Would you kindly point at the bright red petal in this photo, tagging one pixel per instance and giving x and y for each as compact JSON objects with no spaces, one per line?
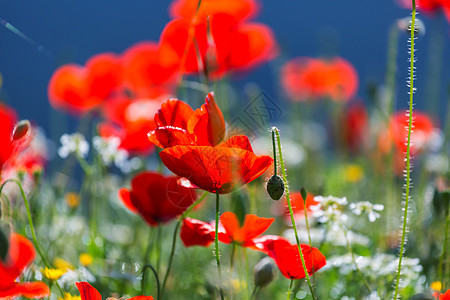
{"x":240,"y":9}
{"x":174,"y":113}
{"x":20,"y":255}
{"x":207,"y":123}
{"x":124,"y":195}
{"x":103,"y":75}
{"x":141,"y":298}
{"x":215,"y":169}
{"x":238,"y":141}
{"x":87,"y":291}
{"x":196,"y":233}
{"x":169,"y":136}
{"x":231,"y":226}
{"x":253,"y":227}
{"x":28,"y":290}
{"x":252,"y":44}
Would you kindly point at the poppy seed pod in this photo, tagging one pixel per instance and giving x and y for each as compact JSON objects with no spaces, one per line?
{"x":263,"y":272}
{"x":275,"y":187}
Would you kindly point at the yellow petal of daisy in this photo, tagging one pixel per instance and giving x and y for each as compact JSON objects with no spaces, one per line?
{"x":68,"y":296}
{"x":86,"y":259}
{"x":52,"y":274}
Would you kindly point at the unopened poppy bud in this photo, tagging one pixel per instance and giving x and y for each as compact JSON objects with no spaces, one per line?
{"x":263,"y":272}
{"x":275,"y":187}
{"x":21,"y":129}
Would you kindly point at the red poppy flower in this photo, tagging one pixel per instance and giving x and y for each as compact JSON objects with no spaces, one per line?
{"x":197,"y":233}
{"x":158,"y":199}
{"x":355,"y":127}
{"x":150,"y":71}
{"x":217,"y":169}
{"x":14,"y":137}
{"x":79,"y":89}
{"x":253,"y":227}
{"x":397,"y":133}
{"x":429,"y":6}
{"x":222,"y":43}
{"x":287,"y":256}
{"x":178,"y":124}
{"x":88,"y":292}
{"x":440,"y":296}
{"x":240,"y":9}
{"x":21,"y":254}
{"x":130,"y":120}
{"x":310,"y":79}
{"x":297,"y":204}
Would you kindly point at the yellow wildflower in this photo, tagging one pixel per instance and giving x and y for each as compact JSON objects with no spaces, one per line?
{"x":68,"y":296}
{"x":353,"y":173}
{"x":72,"y":200}
{"x":52,"y":274}
{"x":63,"y":265}
{"x":86,"y":259}
{"x":436,"y":286}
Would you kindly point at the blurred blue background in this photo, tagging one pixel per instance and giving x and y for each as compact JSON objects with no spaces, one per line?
{"x":73,"y":31}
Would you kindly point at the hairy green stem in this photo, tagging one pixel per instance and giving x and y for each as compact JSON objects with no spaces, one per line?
{"x":216,"y":242}
{"x":408,"y":148}
{"x":174,"y":238}
{"x":291,"y":212}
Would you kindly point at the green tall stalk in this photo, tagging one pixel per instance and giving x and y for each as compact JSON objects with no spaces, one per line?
{"x":408,"y":148}
{"x":30,"y":222}
{"x":291,"y":212}
{"x":216,"y":242}
{"x":441,"y":272}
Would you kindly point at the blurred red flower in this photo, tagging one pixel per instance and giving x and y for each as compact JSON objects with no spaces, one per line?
{"x":187,"y":9}
{"x":429,"y":6}
{"x":216,"y":169}
{"x":130,"y":120}
{"x":158,"y":199}
{"x":219,"y":45}
{"x":397,"y":133}
{"x":444,"y":296}
{"x":305,"y":78}
{"x":21,"y":254}
{"x":88,"y":292}
{"x":14,"y":137}
{"x":178,"y":124}
{"x":287,"y":256}
{"x":149,"y":71}
{"x":355,"y":127}
{"x":79,"y":89}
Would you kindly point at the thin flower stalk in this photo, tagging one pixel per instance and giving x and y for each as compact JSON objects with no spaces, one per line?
{"x":408,"y":148}
{"x":291,"y":212}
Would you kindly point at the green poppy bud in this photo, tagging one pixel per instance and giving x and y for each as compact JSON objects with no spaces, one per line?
{"x":275,"y":187}
{"x":263,"y":272}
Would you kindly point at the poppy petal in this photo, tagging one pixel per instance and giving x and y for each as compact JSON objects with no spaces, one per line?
{"x":238,"y":141}
{"x":141,"y":298}
{"x":207,"y":123}
{"x":232,"y":228}
{"x":28,"y":290}
{"x":254,"y":226}
{"x":169,"y":136}
{"x":196,"y":233}
{"x":215,"y":169}
{"x":87,"y":291}
{"x":20,"y":254}
{"x":174,"y":113}
{"x":124,"y":195}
